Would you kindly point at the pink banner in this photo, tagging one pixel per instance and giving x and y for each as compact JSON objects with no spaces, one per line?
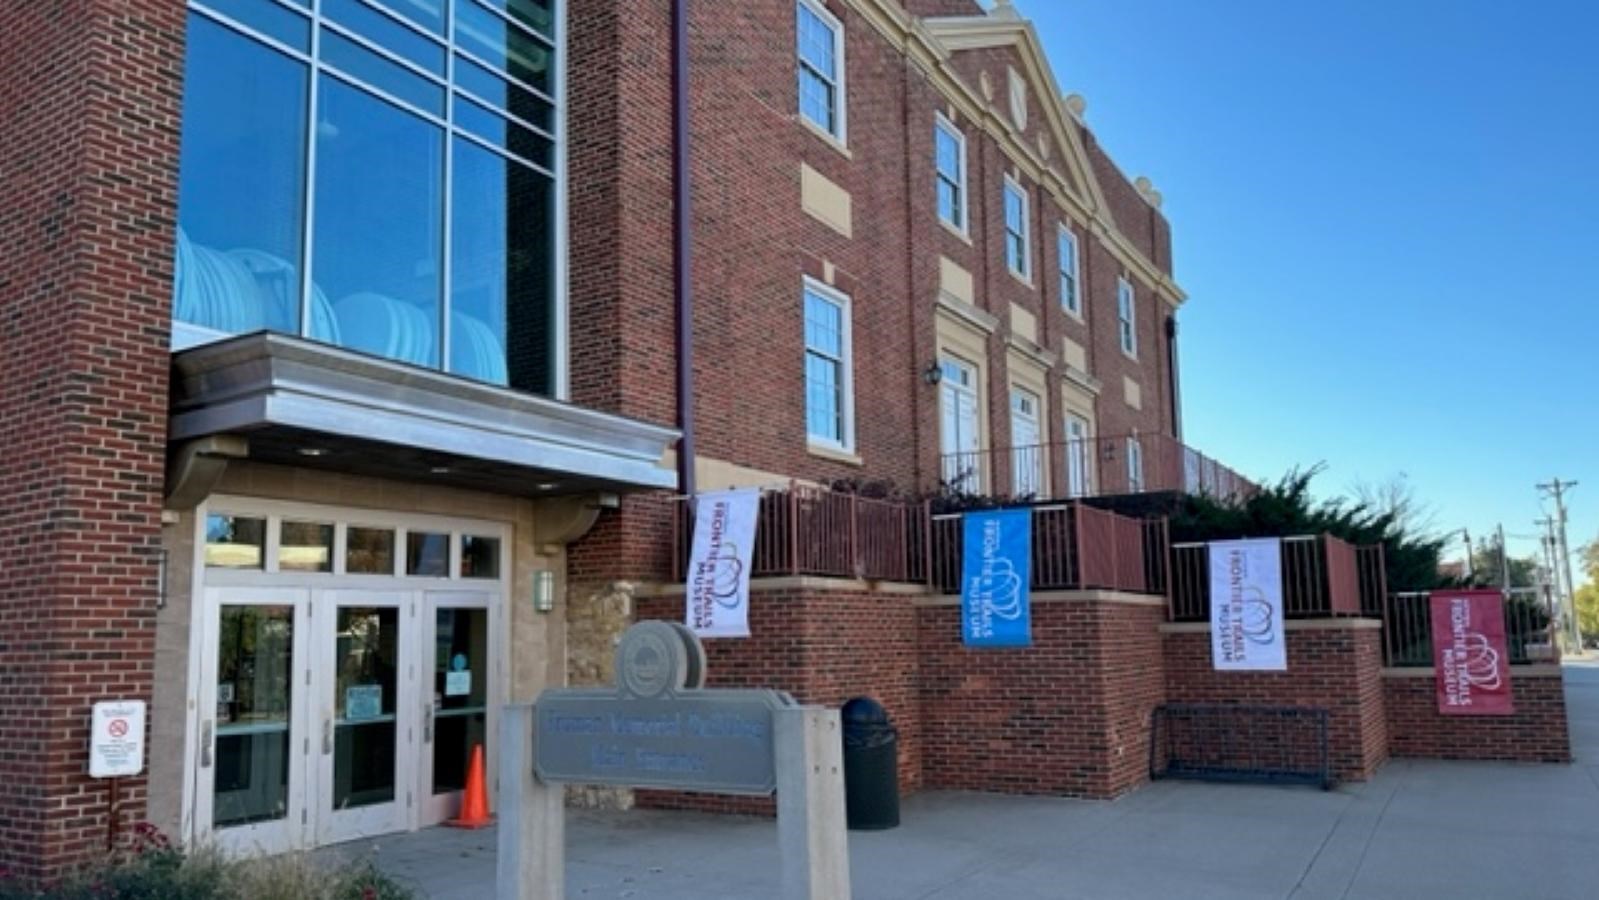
{"x":1469,"y":653}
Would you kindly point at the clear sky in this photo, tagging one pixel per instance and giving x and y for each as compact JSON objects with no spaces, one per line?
{"x":1386,"y":214}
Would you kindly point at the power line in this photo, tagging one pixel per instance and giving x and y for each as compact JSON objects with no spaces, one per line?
{"x":1556,"y":489}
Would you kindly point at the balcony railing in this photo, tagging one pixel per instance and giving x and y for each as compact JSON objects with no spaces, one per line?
{"x":1322,"y":576}
{"x":812,"y":531}
{"x":1092,"y":467}
{"x":1407,"y":628}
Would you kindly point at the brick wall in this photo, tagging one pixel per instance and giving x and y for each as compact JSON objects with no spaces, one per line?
{"x":1536,"y":732}
{"x":825,"y":645}
{"x":1335,"y":665}
{"x":1068,"y":715}
{"x":89,"y":102}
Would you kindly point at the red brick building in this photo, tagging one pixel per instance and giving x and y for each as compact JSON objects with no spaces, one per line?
{"x":341,"y":381}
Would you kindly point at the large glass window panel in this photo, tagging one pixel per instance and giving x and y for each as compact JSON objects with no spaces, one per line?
{"x":460,"y":693}
{"x":379,"y":224}
{"x":501,"y":44}
{"x":269,"y":18}
{"x":384,"y":74}
{"x":501,"y":93}
{"x":241,"y":184}
{"x":535,"y":14}
{"x":384,"y":31}
{"x":235,"y":542}
{"x":255,"y":684}
{"x":502,"y":269}
{"x":502,"y":132}
{"x":427,"y":13}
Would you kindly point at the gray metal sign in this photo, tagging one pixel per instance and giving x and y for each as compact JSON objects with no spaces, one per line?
{"x":659,"y":728}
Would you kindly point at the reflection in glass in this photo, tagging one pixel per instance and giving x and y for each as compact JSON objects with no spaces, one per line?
{"x":369,"y":551}
{"x":253,"y":694}
{"x":427,"y":554}
{"x":241,"y":185}
{"x":367,"y":659}
{"x":460,"y":693}
{"x":234,"y":542}
{"x":500,"y":44}
{"x":480,"y":557}
{"x":379,"y":224}
{"x":386,"y":75}
{"x":306,"y":547}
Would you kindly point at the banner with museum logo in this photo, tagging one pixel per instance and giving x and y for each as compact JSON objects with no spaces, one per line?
{"x":996,"y":570}
{"x":1246,"y":606}
{"x":1471,"y":658}
{"x":718,"y":582}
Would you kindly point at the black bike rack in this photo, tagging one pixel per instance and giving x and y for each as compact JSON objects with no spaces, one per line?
{"x":1235,"y":742}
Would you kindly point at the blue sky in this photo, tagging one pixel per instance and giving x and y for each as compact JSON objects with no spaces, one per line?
{"x":1385,"y":216}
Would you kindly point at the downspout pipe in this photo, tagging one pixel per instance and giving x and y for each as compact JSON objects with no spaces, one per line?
{"x":1176,"y":384}
{"x":682,"y":248}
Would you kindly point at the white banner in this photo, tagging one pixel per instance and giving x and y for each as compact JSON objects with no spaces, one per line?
{"x":719,"y":563}
{"x":1246,"y":606}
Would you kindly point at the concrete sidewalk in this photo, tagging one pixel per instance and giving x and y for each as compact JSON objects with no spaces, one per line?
{"x":1418,"y":830}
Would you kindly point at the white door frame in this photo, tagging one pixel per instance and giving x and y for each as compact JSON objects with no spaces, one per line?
{"x":315,"y":597}
{"x":434,"y":808}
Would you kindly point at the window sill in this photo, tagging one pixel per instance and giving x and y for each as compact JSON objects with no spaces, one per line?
{"x":830,"y":139}
{"x":836,"y":454}
{"x":965,"y":237}
{"x":1075,"y":316}
{"x":1024,"y":279}
{"x":1131,"y":356}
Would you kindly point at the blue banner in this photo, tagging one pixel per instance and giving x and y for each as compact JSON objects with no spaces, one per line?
{"x":996,"y":569}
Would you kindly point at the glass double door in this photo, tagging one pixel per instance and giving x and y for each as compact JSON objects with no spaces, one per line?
{"x":331,"y":715}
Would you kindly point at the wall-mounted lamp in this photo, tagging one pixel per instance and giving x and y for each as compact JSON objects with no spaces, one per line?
{"x":933,"y":374}
{"x":543,"y":590}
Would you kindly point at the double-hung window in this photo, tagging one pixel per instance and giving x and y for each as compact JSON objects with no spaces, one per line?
{"x":1135,"y":466}
{"x":1071,"y":298}
{"x":829,"y":403}
{"x":949,"y":158}
{"x":1127,"y":317}
{"x":1017,"y":255}
{"x":821,"y":67}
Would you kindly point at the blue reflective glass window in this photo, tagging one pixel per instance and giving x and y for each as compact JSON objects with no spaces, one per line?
{"x":502,"y":45}
{"x":824,"y":365}
{"x":501,"y":270}
{"x":379,"y":224}
{"x":427,"y":13}
{"x":384,"y":31}
{"x":501,"y":132}
{"x":269,"y":18}
{"x":500,"y":93}
{"x":535,"y":14}
{"x":386,"y":75}
{"x":241,"y":183}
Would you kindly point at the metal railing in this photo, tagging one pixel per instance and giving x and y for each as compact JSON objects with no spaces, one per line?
{"x":805,"y":530}
{"x":1092,"y":467}
{"x":1407,"y":628}
{"x":1321,"y":574}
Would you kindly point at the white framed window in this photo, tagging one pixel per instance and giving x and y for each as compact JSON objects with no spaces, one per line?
{"x":1018,"y":99}
{"x":1027,"y":454}
{"x":960,"y":432}
{"x":949,"y":159}
{"x":1071,"y":295}
{"x":1127,"y":316}
{"x":1018,"y":254}
{"x":820,"y":51}
{"x":1079,"y":457}
{"x":829,"y":382}
{"x":1135,"y":466}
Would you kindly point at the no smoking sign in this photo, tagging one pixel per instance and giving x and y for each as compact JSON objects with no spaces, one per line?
{"x":116,"y":739}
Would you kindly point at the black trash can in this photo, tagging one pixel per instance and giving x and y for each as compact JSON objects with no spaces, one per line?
{"x":871,"y":766}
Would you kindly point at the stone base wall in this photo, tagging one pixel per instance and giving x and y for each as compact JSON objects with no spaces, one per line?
{"x":1333,"y":664}
{"x":1536,"y":732}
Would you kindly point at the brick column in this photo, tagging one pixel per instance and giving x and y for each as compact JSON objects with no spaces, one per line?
{"x":90,"y":95}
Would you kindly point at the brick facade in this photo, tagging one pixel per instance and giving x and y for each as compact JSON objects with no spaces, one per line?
{"x":1332,"y":664}
{"x":1536,"y":732}
{"x":89,"y":101}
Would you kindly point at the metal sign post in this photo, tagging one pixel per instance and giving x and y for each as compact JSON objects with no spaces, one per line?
{"x":661,"y":728}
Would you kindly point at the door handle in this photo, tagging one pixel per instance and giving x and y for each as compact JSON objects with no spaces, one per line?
{"x":327,"y":736}
{"x":427,"y":723}
{"x":207,"y":730}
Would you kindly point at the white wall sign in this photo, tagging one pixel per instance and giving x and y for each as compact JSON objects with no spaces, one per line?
{"x":116,"y":739}
{"x":719,"y":563}
{"x":1246,"y":606}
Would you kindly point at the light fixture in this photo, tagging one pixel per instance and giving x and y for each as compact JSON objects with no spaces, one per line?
{"x":543,"y":590}
{"x":313,"y":452}
{"x":933,"y":374}
{"x":439,"y":470}
{"x":547,"y":485}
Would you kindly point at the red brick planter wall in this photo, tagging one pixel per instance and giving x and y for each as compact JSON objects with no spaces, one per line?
{"x":1337,"y":668}
{"x":1535,"y":733}
{"x":1068,"y":715}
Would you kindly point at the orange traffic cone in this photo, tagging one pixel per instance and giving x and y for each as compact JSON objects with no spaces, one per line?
{"x":475,"y":801}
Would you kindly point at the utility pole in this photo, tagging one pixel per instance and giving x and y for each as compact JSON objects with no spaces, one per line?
{"x":1556,"y":489}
